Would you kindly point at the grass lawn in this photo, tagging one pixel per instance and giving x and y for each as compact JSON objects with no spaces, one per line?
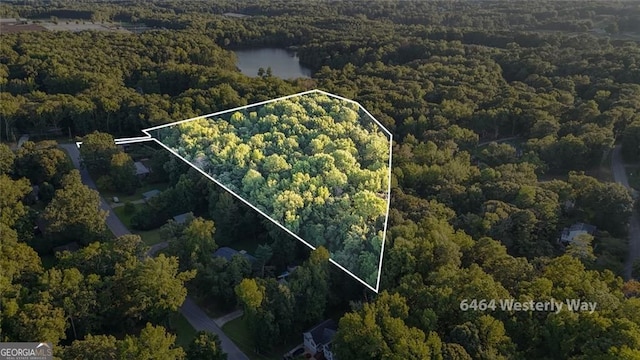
{"x":183,"y":330}
{"x":149,"y":237}
{"x":108,"y":195}
{"x":238,"y":331}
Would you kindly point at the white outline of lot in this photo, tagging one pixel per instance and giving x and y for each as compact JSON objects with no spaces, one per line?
{"x":149,"y":137}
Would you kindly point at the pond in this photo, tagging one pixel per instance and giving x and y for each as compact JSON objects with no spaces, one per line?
{"x":284,"y":64}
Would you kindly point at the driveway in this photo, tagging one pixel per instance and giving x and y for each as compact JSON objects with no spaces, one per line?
{"x":620,"y":176}
{"x":200,"y":321}
{"x":196,"y":316}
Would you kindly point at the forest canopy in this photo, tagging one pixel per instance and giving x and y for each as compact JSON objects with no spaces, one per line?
{"x":316,"y":164}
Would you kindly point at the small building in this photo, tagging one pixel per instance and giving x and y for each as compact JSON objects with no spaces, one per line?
{"x":182,"y":218}
{"x":150,"y":194}
{"x":141,"y":170}
{"x":568,"y":234}
{"x":228,"y":253}
{"x":41,"y":225}
{"x":317,"y":341}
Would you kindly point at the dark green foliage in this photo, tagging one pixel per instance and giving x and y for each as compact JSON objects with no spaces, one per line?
{"x":205,"y":346}
{"x":42,"y":162}
{"x":556,"y":80}
{"x":7,"y":158}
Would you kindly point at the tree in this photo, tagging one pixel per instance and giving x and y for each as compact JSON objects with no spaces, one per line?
{"x":123,"y":173}
{"x":373,"y":333}
{"x":7,"y":158}
{"x":192,"y":242}
{"x":250,"y":294}
{"x":263,"y":254}
{"x":42,"y":162}
{"x":74,"y":212}
{"x":40,"y":321}
{"x":97,"y":150}
{"x":93,"y":347}
{"x":154,"y":343}
{"x":77,"y":296}
{"x":149,"y":289}
{"x":11,"y":206}
{"x":205,"y":346}
{"x":309,"y":284}
{"x":581,"y":248}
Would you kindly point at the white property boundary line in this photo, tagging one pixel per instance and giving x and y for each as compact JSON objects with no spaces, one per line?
{"x":148,"y":137}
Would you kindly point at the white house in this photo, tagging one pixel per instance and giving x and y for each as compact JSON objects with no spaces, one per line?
{"x":317,"y":341}
{"x":568,"y":234}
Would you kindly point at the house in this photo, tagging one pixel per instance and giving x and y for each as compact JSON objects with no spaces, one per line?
{"x":150,"y":194}
{"x":568,"y":234}
{"x":141,"y":170}
{"x":317,"y":341}
{"x":41,"y":225}
{"x":182,"y":218}
{"x":228,"y":253}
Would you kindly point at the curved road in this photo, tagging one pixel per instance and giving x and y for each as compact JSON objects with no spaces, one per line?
{"x":196,"y":316}
{"x":620,"y":176}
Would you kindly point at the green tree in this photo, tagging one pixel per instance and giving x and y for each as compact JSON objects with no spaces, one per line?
{"x":250,"y":294}
{"x":310,"y":285}
{"x":93,"y":347}
{"x":75,"y":212}
{"x":96,"y":150}
{"x":205,"y":346}
{"x":263,"y":254}
{"x":153,"y":343}
{"x":7,"y":157}
{"x":581,"y":248}
{"x":151,"y":288}
{"x":42,"y":162}
{"x":11,"y":206}
{"x":373,"y":333}
{"x":123,"y":173}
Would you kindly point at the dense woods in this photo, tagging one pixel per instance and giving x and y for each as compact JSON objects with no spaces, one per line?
{"x":503,"y":115}
{"x":317,"y":165}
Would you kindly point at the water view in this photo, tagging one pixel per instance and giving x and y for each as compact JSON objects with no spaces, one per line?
{"x":284,"y":64}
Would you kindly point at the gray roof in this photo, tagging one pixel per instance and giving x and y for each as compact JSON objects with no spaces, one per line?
{"x":182,"y":218}
{"x":228,"y":253}
{"x":324,"y":332}
{"x":140,"y":168}
{"x":151,"y":193}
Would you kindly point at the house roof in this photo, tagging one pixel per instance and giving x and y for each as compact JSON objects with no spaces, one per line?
{"x":151,"y":193}
{"x":228,"y":253}
{"x":576,"y":229}
{"x":140,"y":168}
{"x":324,"y":332}
{"x":182,"y":218}
{"x":583,"y":227}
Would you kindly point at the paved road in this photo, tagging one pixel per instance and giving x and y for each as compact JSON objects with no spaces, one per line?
{"x":196,"y":317}
{"x":113,"y":222}
{"x":620,"y":176}
{"x":200,"y":321}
